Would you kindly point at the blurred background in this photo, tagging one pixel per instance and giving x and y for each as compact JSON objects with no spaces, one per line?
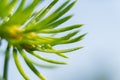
{"x":100,"y":57}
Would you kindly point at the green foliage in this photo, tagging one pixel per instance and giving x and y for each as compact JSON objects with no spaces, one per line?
{"x":22,"y":27}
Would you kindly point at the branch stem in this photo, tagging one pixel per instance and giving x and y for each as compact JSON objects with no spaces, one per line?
{"x":6,"y":62}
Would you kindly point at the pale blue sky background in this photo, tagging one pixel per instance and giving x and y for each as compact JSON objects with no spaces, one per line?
{"x":100,"y":59}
